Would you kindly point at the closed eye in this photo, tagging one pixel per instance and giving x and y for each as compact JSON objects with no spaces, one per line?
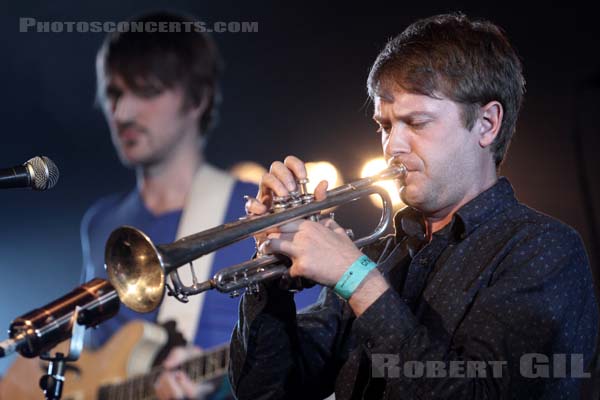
{"x":113,"y":93}
{"x":418,"y":125}
{"x":383,"y":127}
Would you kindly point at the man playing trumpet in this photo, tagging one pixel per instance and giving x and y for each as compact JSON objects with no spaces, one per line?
{"x":471,"y":285}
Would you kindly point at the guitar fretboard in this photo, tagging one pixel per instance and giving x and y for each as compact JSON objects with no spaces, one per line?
{"x":203,"y":367}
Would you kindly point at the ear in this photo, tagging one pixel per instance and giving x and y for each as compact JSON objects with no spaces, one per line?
{"x":197,"y":110}
{"x":490,"y":120}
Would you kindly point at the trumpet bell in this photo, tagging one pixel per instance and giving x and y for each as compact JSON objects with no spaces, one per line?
{"x":136,"y":270}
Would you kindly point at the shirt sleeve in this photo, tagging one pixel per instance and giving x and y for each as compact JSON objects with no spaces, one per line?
{"x":278,"y":354}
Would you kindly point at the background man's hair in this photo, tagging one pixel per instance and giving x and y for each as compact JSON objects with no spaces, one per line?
{"x":165,"y":60}
{"x":469,"y":62}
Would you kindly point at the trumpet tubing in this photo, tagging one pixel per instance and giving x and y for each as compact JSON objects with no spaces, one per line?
{"x":138,"y":269}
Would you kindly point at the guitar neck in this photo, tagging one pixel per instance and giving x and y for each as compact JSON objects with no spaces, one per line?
{"x":200,"y":368}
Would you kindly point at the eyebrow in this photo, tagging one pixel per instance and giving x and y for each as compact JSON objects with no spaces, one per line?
{"x":407,"y":116}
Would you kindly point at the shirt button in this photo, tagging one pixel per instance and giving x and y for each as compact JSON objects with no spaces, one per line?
{"x":369,"y":344}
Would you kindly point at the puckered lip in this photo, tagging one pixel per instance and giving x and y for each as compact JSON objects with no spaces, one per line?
{"x":396,"y":163}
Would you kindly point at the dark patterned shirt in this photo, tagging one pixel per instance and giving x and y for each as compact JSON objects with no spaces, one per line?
{"x":499,"y":304}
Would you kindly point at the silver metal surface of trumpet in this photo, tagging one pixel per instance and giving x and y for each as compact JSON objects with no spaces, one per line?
{"x":138,"y":269}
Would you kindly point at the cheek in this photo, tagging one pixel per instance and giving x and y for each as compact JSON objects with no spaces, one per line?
{"x":156,"y":110}
{"x":163,"y":119}
{"x":164,"y":105}
{"x":439,"y":145}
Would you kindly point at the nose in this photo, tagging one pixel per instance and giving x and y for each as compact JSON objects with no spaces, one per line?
{"x":124,"y":108}
{"x":397,"y":142}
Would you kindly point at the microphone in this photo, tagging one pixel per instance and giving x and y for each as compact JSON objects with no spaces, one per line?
{"x":39,"y":173}
{"x":39,"y":330}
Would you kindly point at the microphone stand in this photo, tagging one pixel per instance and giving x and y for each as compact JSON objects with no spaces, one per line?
{"x":39,"y":330}
{"x":52,"y":382}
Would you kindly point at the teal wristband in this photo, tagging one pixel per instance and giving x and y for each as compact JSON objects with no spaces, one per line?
{"x":354,"y":276}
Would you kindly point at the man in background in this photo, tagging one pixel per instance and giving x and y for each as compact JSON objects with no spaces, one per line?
{"x":159,"y":93}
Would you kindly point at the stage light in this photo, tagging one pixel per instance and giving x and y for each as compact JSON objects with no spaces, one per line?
{"x":317,"y":171}
{"x":322,"y":171}
{"x":371,"y":168}
{"x":248,"y":171}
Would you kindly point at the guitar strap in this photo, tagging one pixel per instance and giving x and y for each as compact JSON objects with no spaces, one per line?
{"x":205,"y":208}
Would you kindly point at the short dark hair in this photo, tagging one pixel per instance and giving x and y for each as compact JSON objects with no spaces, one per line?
{"x":469,"y":62}
{"x":185,"y":58}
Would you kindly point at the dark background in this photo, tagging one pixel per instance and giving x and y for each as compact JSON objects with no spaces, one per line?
{"x":295,"y":87}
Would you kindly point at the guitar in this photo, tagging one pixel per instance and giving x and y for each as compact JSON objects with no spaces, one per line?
{"x":121,"y":369}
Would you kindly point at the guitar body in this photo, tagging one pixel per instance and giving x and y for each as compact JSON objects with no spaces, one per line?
{"x":129,"y":352}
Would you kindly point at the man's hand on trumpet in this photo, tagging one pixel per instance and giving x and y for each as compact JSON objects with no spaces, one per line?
{"x":320,"y":251}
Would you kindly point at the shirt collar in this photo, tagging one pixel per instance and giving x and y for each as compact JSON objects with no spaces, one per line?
{"x":493,"y":201}
{"x":409,"y":222}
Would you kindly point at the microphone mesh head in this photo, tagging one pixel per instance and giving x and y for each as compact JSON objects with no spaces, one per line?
{"x":45,"y":173}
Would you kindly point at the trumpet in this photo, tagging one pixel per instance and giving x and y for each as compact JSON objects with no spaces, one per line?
{"x":139,"y":270}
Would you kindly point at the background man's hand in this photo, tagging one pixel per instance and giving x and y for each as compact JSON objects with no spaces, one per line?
{"x":175,"y":384}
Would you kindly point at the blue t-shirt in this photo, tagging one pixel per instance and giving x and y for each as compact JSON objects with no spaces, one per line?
{"x":219,"y":313}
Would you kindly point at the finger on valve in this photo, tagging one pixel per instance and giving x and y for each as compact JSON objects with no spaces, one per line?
{"x":296,"y":166}
{"x":286,"y":176}
{"x":274,"y":185}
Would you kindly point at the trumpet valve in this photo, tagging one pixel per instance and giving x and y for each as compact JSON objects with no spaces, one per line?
{"x":253,"y":289}
{"x":308,"y":198}
{"x":302,"y":185}
{"x":295,"y":199}
{"x":280,"y":203}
